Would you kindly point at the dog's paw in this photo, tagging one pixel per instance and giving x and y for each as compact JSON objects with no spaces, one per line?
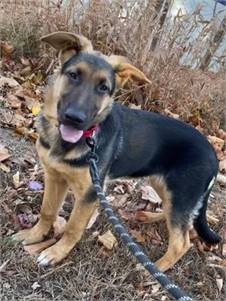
{"x":53,"y":254}
{"x":30,"y":236}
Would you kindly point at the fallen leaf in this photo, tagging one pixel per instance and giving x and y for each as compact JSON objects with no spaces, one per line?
{"x":16,"y":179}
{"x":155,"y":288}
{"x":35,"y":185}
{"x":195,"y":118}
{"x":221,"y":179}
{"x":218,"y":145}
{"x":23,"y":207}
{"x":155,"y":94}
{"x":25,"y":61}
{"x":119,"y":189}
{"x":8,"y":81}
{"x":25,"y":71}
{"x":93,"y":219}
{"x":18,"y":120}
{"x":140,"y":268}
{"x":220,"y":283}
{"x":6,"y":285}
{"x":108,"y":240}
{"x":13,"y":101}
{"x":214,"y":258}
{"x":170,"y":114}
{"x":4,"y":153}
{"x":149,"y":194}
{"x":156,"y":239}
{"x":135,"y":107}
{"x":126,"y":215}
{"x":223,"y":262}
{"x":222,"y":166}
{"x":222,"y":134}
{"x":6,"y":49}
{"x":35,"y":285}
{"x":95,"y":234}
{"x":25,"y":217}
{"x":36,"y":109}
{"x":118,"y":200}
{"x":138,"y":236}
{"x":35,"y":249}
{"x":24,"y":221}
{"x":224,"y":250}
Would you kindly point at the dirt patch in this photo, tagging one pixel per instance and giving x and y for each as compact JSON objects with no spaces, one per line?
{"x":90,"y":272}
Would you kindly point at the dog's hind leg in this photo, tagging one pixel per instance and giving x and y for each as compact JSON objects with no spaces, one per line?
{"x":179,"y":244}
{"x":177,"y":225}
{"x":55,"y":191}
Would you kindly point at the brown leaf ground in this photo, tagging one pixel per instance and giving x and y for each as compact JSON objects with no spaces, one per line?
{"x":90,"y":272}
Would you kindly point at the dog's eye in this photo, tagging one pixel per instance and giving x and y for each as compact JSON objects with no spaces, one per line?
{"x":73,"y":75}
{"x":103,"y":88}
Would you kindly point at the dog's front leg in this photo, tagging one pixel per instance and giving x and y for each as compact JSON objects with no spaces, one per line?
{"x":54,"y":193}
{"x":83,"y":209}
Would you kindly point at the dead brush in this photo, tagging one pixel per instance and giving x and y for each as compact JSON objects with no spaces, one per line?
{"x":136,"y":30}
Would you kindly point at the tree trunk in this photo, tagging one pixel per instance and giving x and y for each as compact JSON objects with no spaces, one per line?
{"x":163,"y":7}
{"x":214,"y":45}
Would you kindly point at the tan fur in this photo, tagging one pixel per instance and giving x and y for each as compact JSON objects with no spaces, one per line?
{"x":55,"y":191}
{"x":58,"y":177}
{"x":179,"y":241}
{"x":73,"y":154}
{"x":79,"y":181}
{"x":179,"y":244}
{"x":106,"y":104}
{"x":52,"y":97}
{"x":125,"y":71}
{"x":66,"y":55}
{"x":159,"y":184}
{"x":83,"y":66}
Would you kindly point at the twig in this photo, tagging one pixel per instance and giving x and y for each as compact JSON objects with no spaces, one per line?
{"x":56,"y":269}
{"x":50,"y":67}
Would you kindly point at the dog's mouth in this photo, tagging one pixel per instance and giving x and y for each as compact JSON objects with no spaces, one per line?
{"x":70,"y":133}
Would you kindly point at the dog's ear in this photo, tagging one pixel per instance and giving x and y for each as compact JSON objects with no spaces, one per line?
{"x":67,"y":43}
{"x":125,"y":71}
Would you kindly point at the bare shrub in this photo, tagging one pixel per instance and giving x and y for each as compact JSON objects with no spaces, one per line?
{"x":129,"y":28}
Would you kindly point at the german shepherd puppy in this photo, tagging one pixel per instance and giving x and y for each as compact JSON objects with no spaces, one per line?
{"x":180,"y":162}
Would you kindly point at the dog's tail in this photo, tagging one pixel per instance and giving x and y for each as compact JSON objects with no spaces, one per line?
{"x":202,"y":227}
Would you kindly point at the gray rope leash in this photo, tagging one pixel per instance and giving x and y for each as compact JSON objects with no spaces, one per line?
{"x":134,"y":248}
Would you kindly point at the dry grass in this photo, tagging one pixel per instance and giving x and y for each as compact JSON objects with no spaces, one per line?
{"x":128,"y":28}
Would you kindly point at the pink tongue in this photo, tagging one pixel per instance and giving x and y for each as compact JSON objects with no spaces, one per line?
{"x":70,"y":134}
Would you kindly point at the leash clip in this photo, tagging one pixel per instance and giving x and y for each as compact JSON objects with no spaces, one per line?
{"x":92,"y":145}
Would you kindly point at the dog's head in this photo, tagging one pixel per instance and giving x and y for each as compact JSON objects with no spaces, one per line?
{"x":82,"y":94}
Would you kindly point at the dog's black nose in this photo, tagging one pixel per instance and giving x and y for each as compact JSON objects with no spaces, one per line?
{"x":74,"y":116}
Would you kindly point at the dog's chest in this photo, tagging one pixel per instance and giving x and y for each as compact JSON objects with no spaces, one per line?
{"x":55,"y":164}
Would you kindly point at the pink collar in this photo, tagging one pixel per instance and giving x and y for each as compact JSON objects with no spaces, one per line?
{"x":89,"y":133}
